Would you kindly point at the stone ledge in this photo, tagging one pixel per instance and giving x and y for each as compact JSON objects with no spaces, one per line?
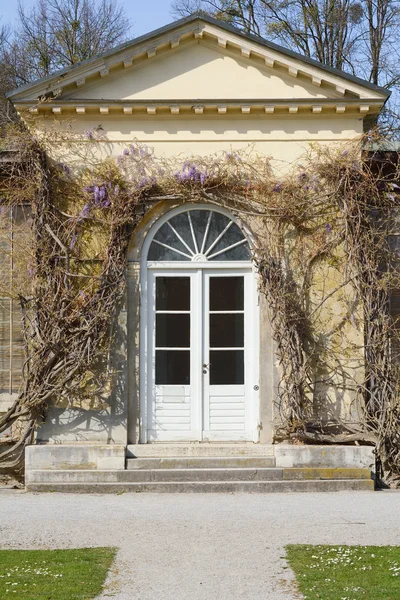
{"x":198,"y":449}
{"x":204,"y":487}
{"x":69,"y":456}
{"x":349,"y":457}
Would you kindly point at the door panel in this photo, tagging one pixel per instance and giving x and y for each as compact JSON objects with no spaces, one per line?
{"x":201,"y":355}
{"x":226,"y":335}
{"x":173,"y":408}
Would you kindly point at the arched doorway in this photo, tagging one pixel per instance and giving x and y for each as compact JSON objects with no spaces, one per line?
{"x":199,"y":340}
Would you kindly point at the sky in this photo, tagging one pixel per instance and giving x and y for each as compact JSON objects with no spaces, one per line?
{"x":145,"y":15}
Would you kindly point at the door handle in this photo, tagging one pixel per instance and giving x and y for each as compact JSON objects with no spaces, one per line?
{"x":206,"y":367}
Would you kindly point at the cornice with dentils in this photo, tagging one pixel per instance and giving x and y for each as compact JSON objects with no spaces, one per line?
{"x":197,"y":26}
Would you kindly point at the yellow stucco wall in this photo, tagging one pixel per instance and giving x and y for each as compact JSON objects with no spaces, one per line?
{"x":284,"y":139}
{"x":141,"y":103}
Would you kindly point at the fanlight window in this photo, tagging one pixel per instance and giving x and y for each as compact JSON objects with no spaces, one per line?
{"x":199,"y":235}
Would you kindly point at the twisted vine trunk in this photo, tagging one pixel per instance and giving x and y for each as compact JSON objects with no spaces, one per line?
{"x":63,"y":336}
{"x":289,"y":326}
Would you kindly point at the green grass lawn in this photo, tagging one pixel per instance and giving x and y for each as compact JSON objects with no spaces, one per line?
{"x":54,"y":574}
{"x":346,"y":572}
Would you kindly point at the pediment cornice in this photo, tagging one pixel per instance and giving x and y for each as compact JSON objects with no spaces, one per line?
{"x":212,"y":107}
{"x":203,"y":30}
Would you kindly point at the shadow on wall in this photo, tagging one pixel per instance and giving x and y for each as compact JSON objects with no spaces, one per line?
{"x":98,"y":418}
{"x":334,"y":398}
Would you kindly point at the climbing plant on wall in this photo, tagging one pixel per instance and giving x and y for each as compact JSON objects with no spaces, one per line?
{"x":320,"y":244}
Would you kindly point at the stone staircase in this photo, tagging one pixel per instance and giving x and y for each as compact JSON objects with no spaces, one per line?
{"x":202,"y":469}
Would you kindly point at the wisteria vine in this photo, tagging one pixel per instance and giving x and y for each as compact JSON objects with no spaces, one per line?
{"x":320,"y":245}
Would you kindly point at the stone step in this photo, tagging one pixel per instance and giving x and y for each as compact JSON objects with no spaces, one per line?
{"x":199,"y":462}
{"x":193,"y":475}
{"x":198,"y":449}
{"x":227,"y":487}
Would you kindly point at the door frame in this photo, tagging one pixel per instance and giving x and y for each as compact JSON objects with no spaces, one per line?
{"x":144,"y":332}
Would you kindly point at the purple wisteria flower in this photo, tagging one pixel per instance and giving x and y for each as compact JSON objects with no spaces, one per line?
{"x":328,"y":227}
{"x":278,"y":187}
{"x":99,"y":197}
{"x":314,"y":183}
{"x":85,"y":212}
{"x":65,"y":168}
{"x":203,"y":177}
{"x":232,"y":156}
{"x":89,"y":134}
{"x":144,"y":181}
{"x":73,"y":241}
{"x":191,"y":173}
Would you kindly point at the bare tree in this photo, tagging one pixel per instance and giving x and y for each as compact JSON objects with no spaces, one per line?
{"x":6,"y":78}
{"x":358,"y":36}
{"x":58,"y":33}
{"x":321,"y":29}
{"x":382,"y":43}
{"x":246,"y":14}
{"x":54,"y":34}
{"x":37,"y":40}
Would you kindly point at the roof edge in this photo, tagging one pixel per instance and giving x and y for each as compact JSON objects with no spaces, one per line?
{"x":201,"y":16}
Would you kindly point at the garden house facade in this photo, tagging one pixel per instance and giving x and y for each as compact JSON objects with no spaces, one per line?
{"x":194,"y":353}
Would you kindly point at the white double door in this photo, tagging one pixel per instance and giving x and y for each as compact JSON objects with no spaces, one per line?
{"x":202,"y":355}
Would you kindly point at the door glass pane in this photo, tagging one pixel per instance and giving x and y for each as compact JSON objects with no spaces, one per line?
{"x":200,"y":219}
{"x":172,"y":367}
{"x":227,"y":367}
{"x":226,"y":293}
{"x":181,"y":224}
{"x":226,"y":331}
{"x":232,"y":236}
{"x":241,"y":252}
{"x":173,"y":330}
{"x":173,"y":293}
{"x":159,"y":253}
{"x":166,"y":237}
{"x":217,"y":225}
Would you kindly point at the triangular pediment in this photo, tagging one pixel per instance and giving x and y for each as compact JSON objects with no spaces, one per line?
{"x":197,"y":71}
{"x":197,"y":59}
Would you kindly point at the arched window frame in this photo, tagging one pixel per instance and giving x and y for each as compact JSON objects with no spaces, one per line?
{"x":197,"y":261}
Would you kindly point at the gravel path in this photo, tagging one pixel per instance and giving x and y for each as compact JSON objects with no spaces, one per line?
{"x":198,"y":547}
